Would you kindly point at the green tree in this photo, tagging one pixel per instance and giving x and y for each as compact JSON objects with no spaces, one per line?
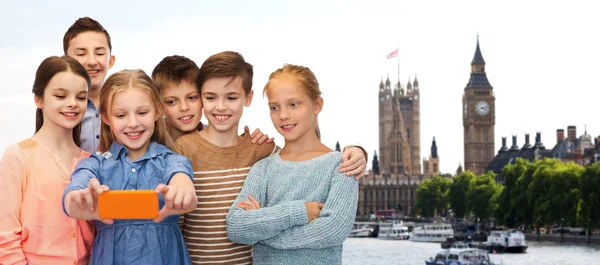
{"x":522,"y":200}
{"x":458,"y":192}
{"x":432,"y":195}
{"x":425,"y":199}
{"x":506,"y":213}
{"x":555,"y":192}
{"x":589,"y":203}
{"x":482,"y":197}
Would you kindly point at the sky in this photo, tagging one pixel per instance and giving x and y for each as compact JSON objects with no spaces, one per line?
{"x":542,"y":58}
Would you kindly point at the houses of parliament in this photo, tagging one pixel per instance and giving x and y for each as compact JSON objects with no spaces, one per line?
{"x":396,"y":168}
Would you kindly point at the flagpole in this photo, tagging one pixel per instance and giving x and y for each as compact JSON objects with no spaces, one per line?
{"x":397,"y":48}
{"x":394,"y":53}
{"x":398,"y":57}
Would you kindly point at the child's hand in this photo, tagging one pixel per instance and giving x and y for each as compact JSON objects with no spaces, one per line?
{"x":83,"y":203}
{"x":258,"y":137}
{"x":178,"y":200}
{"x":353,"y":162}
{"x":250,"y":204}
{"x":313,"y":209}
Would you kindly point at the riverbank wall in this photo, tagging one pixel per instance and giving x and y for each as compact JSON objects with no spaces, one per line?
{"x":565,"y":239}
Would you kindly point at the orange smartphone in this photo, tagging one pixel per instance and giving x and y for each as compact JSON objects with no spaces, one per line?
{"x":128,"y":204}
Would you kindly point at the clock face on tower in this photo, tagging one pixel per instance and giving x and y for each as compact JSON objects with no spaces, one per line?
{"x":465,"y":108}
{"x":482,"y":108}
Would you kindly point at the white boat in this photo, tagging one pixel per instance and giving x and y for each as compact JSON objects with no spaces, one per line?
{"x":505,"y":241}
{"x":361,"y":231}
{"x":431,"y":233}
{"x":393,"y":230}
{"x":460,"y":256}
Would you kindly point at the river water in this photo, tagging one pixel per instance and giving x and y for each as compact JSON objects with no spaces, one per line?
{"x":377,"y":251}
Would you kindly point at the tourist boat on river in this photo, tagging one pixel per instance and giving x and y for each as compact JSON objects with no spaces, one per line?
{"x":393,"y":230}
{"x":431,"y":233}
{"x":460,"y":256}
{"x":361,"y":231}
{"x":505,"y":241}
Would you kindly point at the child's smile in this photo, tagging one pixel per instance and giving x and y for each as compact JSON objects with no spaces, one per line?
{"x":288,"y":127}
{"x":186,"y":119}
{"x":70,"y":115}
{"x":293,"y":113}
{"x":223,"y":100}
{"x":131,"y":119}
{"x":135,"y":135}
{"x":64,"y":100}
{"x":222,"y":118}
{"x":183,"y":107}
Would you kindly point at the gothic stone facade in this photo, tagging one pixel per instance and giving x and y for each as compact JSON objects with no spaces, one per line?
{"x":479,"y":117}
{"x":392,"y":183}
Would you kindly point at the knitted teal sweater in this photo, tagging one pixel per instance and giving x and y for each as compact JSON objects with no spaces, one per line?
{"x":280,"y":231}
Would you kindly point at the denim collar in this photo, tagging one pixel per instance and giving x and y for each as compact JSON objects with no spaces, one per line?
{"x":154,"y":149}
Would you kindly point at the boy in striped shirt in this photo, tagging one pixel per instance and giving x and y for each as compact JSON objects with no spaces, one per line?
{"x":221,"y":158}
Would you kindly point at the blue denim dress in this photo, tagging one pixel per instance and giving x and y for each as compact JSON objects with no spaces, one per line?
{"x":135,"y":241}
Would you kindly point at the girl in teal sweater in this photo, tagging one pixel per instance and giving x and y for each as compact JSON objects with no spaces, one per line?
{"x":295,"y":207}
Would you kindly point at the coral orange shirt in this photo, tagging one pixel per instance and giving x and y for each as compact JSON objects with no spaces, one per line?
{"x":33,"y":227}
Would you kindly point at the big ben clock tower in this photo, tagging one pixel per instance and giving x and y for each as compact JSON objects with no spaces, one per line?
{"x":479,"y":117}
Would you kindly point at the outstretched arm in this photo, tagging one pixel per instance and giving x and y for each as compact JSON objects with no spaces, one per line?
{"x":250,"y":227}
{"x":332,"y":227}
{"x":182,"y":150}
{"x":179,"y":191}
{"x":180,"y":196}
{"x":13,"y":178}
{"x":80,"y":198}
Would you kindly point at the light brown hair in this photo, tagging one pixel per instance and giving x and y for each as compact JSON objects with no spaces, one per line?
{"x":226,"y":64}
{"x":173,"y":70}
{"x":81,"y":25}
{"x":305,"y":77}
{"x":45,"y":72}
{"x":120,"y":81}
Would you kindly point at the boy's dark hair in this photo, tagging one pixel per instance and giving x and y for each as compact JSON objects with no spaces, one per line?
{"x":173,"y":70}
{"x":226,"y":64}
{"x":81,"y":25}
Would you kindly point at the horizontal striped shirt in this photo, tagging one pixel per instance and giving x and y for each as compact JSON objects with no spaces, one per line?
{"x":219,"y":174}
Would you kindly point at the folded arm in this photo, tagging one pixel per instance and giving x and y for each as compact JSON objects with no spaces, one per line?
{"x":250,"y":227}
{"x":333,"y":225}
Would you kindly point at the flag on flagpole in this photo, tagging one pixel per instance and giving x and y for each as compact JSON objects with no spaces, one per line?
{"x":392,"y":54}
